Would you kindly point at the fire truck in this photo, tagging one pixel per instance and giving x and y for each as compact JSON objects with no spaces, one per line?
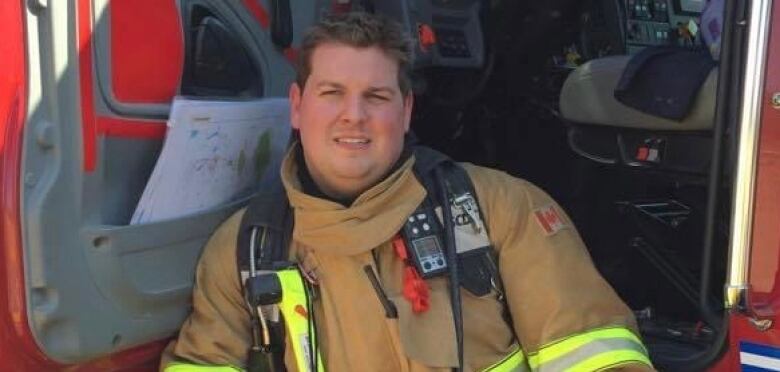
{"x":681,"y":215}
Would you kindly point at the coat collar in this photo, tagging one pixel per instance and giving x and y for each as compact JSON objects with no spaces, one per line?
{"x":371,"y":220}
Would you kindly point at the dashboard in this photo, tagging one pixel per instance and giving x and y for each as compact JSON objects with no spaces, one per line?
{"x":449,"y":32}
{"x":662,"y":22}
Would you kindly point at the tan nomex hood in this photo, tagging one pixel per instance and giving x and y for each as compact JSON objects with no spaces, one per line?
{"x":372,"y":219}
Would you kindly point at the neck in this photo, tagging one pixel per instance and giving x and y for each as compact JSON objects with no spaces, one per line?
{"x":347,"y":191}
{"x":318,"y":188}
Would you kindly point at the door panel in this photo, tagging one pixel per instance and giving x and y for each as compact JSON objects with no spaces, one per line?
{"x":108,"y":69}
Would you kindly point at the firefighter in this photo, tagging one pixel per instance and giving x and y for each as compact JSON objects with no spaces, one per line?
{"x":377,"y":292}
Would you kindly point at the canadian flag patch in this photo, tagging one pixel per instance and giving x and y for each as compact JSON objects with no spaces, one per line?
{"x":549,"y":219}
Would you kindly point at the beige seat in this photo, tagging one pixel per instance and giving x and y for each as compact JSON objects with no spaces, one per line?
{"x":587,"y":98}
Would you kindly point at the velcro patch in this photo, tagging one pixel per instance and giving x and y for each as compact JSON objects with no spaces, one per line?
{"x":549,"y":219}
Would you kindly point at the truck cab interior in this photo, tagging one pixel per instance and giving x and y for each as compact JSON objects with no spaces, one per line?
{"x":528,"y":87}
{"x":646,"y":191}
{"x":538,"y":98}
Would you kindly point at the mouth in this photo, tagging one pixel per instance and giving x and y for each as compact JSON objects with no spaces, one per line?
{"x":352,"y":141}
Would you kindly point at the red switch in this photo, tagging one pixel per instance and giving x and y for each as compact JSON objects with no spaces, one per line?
{"x":426,"y":36}
{"x":642,"y":153}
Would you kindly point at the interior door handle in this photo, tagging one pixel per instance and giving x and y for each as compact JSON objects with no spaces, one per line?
{"x":281,"y":23}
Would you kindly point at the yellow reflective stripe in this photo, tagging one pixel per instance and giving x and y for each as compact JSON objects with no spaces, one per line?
{"x":297,"y":324}
{"x":189,"y":367}
{"x":570,"y":351}
{"x":514,"y":362}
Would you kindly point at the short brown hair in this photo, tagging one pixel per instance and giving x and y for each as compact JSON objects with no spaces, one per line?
{"x":360,"y":30}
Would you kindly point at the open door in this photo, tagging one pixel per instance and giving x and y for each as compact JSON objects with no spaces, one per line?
{"x":108,"y":71}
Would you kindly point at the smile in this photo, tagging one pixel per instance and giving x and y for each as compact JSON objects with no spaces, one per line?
{"x":355,"y":141}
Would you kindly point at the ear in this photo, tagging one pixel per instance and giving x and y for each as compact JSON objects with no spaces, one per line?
{"x":408,"y":103}
{"x":295,"y":105}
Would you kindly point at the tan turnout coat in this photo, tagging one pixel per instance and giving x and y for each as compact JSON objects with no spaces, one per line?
{"x":552,"y":288}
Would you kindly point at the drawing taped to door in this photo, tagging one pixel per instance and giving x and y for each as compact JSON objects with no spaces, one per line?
{"x":214,"y":153}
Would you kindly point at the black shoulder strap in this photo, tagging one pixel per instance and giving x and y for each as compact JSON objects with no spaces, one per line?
{"x":269,"y":209}
{"x":267,"y":213}
{"x":478,"y":271}
{"x":428,"y":159}
{"x":425,"y":162}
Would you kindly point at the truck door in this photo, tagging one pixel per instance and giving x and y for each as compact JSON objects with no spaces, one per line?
{"x":753,"y":288}
{"x":102,"y":74}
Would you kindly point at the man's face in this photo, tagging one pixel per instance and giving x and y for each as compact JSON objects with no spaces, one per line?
{"x":352,"y":117}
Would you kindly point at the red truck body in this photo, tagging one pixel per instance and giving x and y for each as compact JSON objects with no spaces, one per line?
{"x":159,"y":35}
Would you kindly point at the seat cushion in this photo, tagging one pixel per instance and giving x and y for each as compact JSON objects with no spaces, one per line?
{"x":588,"y":97}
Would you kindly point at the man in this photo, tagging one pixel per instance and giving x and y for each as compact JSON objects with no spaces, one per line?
{"x":352,"y":187}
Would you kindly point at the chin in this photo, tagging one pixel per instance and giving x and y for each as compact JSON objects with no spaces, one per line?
{"x":357,"y":175}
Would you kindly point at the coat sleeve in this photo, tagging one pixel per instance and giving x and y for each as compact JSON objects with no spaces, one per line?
{"x":563,"y":312}
{"x":217,"y":332}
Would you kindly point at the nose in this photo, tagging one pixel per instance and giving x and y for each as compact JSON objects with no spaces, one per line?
{"x":354,"y":111}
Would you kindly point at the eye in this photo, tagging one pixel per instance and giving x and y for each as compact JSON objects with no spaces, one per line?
{"x":378,"y":97}
{"x":332,"y":92}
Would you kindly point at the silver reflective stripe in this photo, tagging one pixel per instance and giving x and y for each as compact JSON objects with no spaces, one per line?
{"x":588,"y":350}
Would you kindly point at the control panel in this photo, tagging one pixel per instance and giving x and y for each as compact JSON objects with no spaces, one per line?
{"x":661,"y":22}
{"x":452,"y":43}
{"x":445,"y":32}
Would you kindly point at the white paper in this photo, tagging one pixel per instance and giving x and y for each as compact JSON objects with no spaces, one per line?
{"x":215,"y":152}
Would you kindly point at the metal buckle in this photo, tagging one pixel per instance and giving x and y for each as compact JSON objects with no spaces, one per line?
{"x":468,"y":205}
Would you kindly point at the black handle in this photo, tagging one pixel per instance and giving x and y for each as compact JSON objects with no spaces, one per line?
{"x":281,"y":23}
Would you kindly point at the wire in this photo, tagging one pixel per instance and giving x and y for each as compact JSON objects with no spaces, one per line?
{"x":264,"y":327}
{"x":253,"y":273}
{"x":253,"y":362}
{"x":252,"y":263}
{"x":310,"y":328}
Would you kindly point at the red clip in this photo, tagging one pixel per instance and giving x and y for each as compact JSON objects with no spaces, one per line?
{"x":301,"y":311}
{"x":415,"y":289}
{"x":400,"y":247}
{"x":642,"y":153}
{"x":426,"y":36}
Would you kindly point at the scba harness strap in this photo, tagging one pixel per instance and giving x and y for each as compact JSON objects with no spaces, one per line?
{"x":267,"y":275}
